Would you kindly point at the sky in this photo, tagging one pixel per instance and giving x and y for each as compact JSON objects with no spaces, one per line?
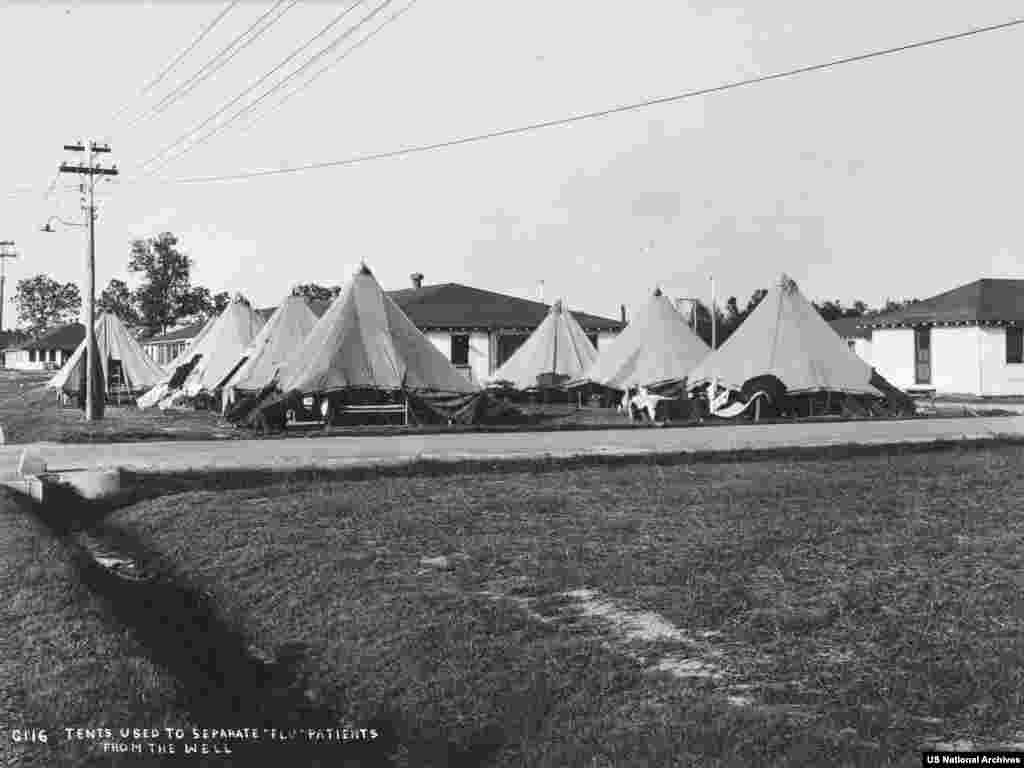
{"x":896,"y":177}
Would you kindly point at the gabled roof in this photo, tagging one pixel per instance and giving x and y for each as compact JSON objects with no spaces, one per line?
{"x":181,"y":334}
{"x":988,"y":301}
{"x":63,"y":337}
{"x":851,"y":327}
{"x":453,"y":305}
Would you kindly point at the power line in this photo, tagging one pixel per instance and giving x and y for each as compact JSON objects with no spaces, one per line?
{"x":334,"y":22}
{"x":277,"y":86}
{"x":601,"y":113}
{"x":316,"y":76}
{"x":216,"y":63}
{"x":177,"y":59}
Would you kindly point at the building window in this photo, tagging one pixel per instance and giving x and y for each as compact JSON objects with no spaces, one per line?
{"x":851,"y":344}
{"x":923,"y":355}
{"x":31,"y":355}
{"x":460,"y":349}
{"x":508,"y":343}
{"x":53,"y":355}
{"x":1015,"y":345}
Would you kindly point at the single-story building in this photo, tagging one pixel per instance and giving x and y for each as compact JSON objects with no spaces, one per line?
{"x":856,"y":336}
{"x":47,"y":353}
{"x":969,"y":340}
{"x":166,"y":346}
{"x":478,"y":330}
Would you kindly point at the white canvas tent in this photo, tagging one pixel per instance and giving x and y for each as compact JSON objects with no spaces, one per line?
{"x":222,"y":346}
{"x":657,"y":347}
{"x":557,"y":346}
{"x":364,"y":340}
{"x":186,"y":354}
{"x":785,"y":337}
{"x":276,"y":342}
{"x":159,"y":391}
{"x":123,"y":361}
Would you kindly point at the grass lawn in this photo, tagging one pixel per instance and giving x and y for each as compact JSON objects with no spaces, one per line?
{"x":61,"y":663}
{"x":854,"y":608}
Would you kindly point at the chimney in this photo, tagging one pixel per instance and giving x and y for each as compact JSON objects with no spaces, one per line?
{"x":540,"y":290}
{"x":622,"y":310}
{"x":417,"y":280}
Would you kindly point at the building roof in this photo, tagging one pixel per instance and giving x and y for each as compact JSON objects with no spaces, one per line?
{"x":450,"y":305}
{"x":988,"y":301}
{"x":181,"y":334}
{"x":453,"y":305}
{"x":62,"y":337}
{"x":851,"y":328}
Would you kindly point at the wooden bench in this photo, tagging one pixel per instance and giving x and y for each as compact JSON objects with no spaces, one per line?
{"x":381,"y":408}
{"x":375,"y":408}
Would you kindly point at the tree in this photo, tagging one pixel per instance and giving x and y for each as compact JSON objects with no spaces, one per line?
{"x":166,"y":294}
{"x":118,"y":300}
{"x":315,"y":292}
{"x":44,"y":303}
{"x":221,"y":301}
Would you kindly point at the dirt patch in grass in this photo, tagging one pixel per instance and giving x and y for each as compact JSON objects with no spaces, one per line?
{"x":866,"y":604}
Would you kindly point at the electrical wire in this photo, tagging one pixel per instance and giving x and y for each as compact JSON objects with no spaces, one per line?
{"x":180,"y":57}
{"x":273,"y":89}
{"x":316,"y":76}
{"x":522,"y":129}
{"x":334,"y":22}
{"x":216,"y":63}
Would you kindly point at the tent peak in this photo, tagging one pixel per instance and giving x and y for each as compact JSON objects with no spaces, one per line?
{"x":363,"y":269}
{"x":787,"y":283}
{"x":657,"y":291}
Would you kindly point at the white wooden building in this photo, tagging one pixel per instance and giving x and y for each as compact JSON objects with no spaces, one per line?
{"x":969,"y":340}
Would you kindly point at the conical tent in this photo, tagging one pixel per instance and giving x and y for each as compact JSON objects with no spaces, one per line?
{"x":222,"y":346}
{"x":558,"y":345}
{"x":657,"y":347}
{"x":364,"y":340}
{"x":116,"y":348}
{"x":276,"y":342}
{"x":186,"y":354}
{"x":785,"y":337}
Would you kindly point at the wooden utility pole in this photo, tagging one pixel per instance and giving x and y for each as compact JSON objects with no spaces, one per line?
{"x":93,"y":386}
{"x":4,"y":255}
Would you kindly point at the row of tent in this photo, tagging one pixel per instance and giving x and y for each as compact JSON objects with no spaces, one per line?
{"x":784,"y":337}
{"x":363,"y":340}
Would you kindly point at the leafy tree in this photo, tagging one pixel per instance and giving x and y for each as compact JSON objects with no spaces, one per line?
{"x":315,"y":292}
{"x":44,"y":303}
{"x":221,"y":300}
{"x":118,"y":299}
{"x":166,"y":294}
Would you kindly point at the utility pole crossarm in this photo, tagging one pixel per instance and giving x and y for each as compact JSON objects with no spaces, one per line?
{"x":88,"y":170}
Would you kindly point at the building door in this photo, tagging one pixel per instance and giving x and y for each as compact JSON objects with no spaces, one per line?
{"x":923,"y":355}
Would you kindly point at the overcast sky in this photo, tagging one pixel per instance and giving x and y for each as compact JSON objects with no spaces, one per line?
{"x":896,"y":177}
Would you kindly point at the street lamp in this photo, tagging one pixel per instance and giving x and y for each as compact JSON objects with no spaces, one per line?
{"x":93,"y":384}
{"x":48,"y":227}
